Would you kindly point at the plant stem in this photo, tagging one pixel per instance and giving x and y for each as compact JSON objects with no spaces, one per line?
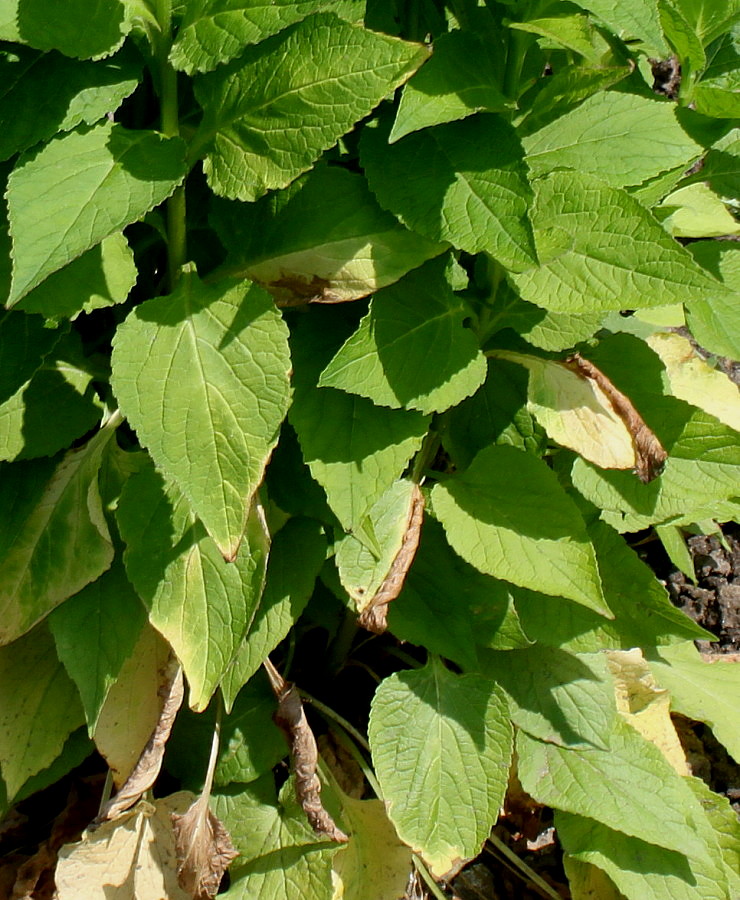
{"x":170,"y":124}
{"x":425,"y":456}
{"x":426,"y":876}
{"x":521,"y":868}
{"x":517,"y":46}
{"x":329,"y":713}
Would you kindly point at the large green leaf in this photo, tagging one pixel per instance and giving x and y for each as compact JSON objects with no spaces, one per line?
{"x":600,"y":249}
{"x":451,"y":608}
{"x":706,"y":691}
{"x":75,"y":28}
{"x":39,"y":707}
{"x":102,"y":276}
{"x":56,"y":540}
{"x":80,"y":188}
{"x":411,"y":350}
{"x":203,"y":377}
{"x":641,"y":870}
{"x":570,"y":30}
{"x":611,"y":785}
{"x":700,"y":473}
{"x":265,"y":116}
{"x":463,"y":182}
{"x":633,"y":19}
{"x":53,"y":407}
{"x":492,"y":514}
{"x":201,"y":604}
{"x":713,"y":320}
{"x":461,"y":78}
{"x":555,"y":696}
{"x":354,"y":449}
{"x":279,"y":854}
{"x":95,"y":632}
{"x":622,"y":138}
{"x":442,"y":748}
{"x":296,"y":556}
{"x":73,"y":92}
{"x":324,"y":238}
{"x":215,"y":31}
{"x":643,"y":614}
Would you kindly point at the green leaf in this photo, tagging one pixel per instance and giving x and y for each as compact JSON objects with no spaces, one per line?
{"x":95,"y":632}
{"x":323,"y":238}
{"x":361,"y":571}
{"x":706,"y":691}
{"x":492,"y":514}
{"x":600,"y":249}
{"x":279,"y":854}
{"x":695,"y":211}
{"x":55,"y":405}
{"x":102,"y":276}
{"x":701,"y":471}
{"x":209,"y":365}
{"x":354,"y":449}
{"x":39,"y":708}
{"x":721,"y":167}
{"x":59,"y":540}
{"x":482,"y":614}
{"x":441,"y":748}
{"x":556,"y":696}
{"x":548,"y":329}
{"x":611,"y":785}
{"x":643,"y":614}
{"x":622,"y":138}
{"x":250,"y":741}
{"x":713,"y":320}
{"x":215,"y":31}
{"x":265,"y":116}
{"x":642,"y":870}
{"x":296,"y":556}
{"x":681,"y":36}
{"x":73,"y":92}
{"x":496,"y":414}
{"x":75,"y":28}
{"x":75,"y":751}
{"x":464,"y":182}
{"x":79,"y":189}
{"x":460,"y":79}
{"x":412,"y":349}
{"x":573,"y":32}
{"x":201,"y":604}
{"x":633,"y":19}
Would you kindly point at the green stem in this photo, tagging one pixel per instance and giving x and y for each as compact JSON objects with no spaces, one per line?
{"x":426,"y":876}
{"x":517,"y":46}
{"x":170,"y":124}
{"x":329,"y":713}
{"x":521,"y":868}
{"x":425,"y":456}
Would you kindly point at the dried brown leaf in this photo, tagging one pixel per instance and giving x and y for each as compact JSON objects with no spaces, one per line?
{"x":204,"y":850}
{"x":291,"y":718}
{"x":147,"y":768}
{"x":374,"y":616}
{"x":649,"y":453}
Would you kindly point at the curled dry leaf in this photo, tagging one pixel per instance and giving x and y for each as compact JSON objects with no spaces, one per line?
{"x":147,"y":768}
{"x":204,"y":850}
{"x":374,"y":616}
{"x":291,"y":718}
{"x":649,"y":453}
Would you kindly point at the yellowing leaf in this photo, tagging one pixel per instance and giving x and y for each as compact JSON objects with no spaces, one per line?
{"x":645,"y":705}
{"x":693,"y":380}
{"x":376,"y":863}
{"x":698,"y":213}
{"x":132,"y":707}
{"x":576,"y":412}
{"x":132,"y":858}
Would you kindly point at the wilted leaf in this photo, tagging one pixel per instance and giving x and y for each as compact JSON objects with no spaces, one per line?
{"x":204,"y":850}
{"x":132,"y":858}
{"x":290,"y":716}
{"x":147,"y":768}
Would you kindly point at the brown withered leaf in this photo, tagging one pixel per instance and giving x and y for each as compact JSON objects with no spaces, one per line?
{"x":147,"y":768}
{"x":204,"y":850}
{"x":649,"y":453}
{"x":374,"y":616}
{"x":293,"y":290}
{"x":291,"y":718}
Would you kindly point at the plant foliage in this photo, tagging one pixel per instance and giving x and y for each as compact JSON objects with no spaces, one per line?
{"x":318,"y":309}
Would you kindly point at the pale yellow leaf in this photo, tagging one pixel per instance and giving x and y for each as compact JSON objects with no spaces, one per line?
{"x":692,"y":379}
{"x":133,"y":706}
{"x":130,"y":858}
{"x":588,"y":882}
{"x":376,"y":863}
{"x":645,"y":705}
{"x":698,"y":213}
